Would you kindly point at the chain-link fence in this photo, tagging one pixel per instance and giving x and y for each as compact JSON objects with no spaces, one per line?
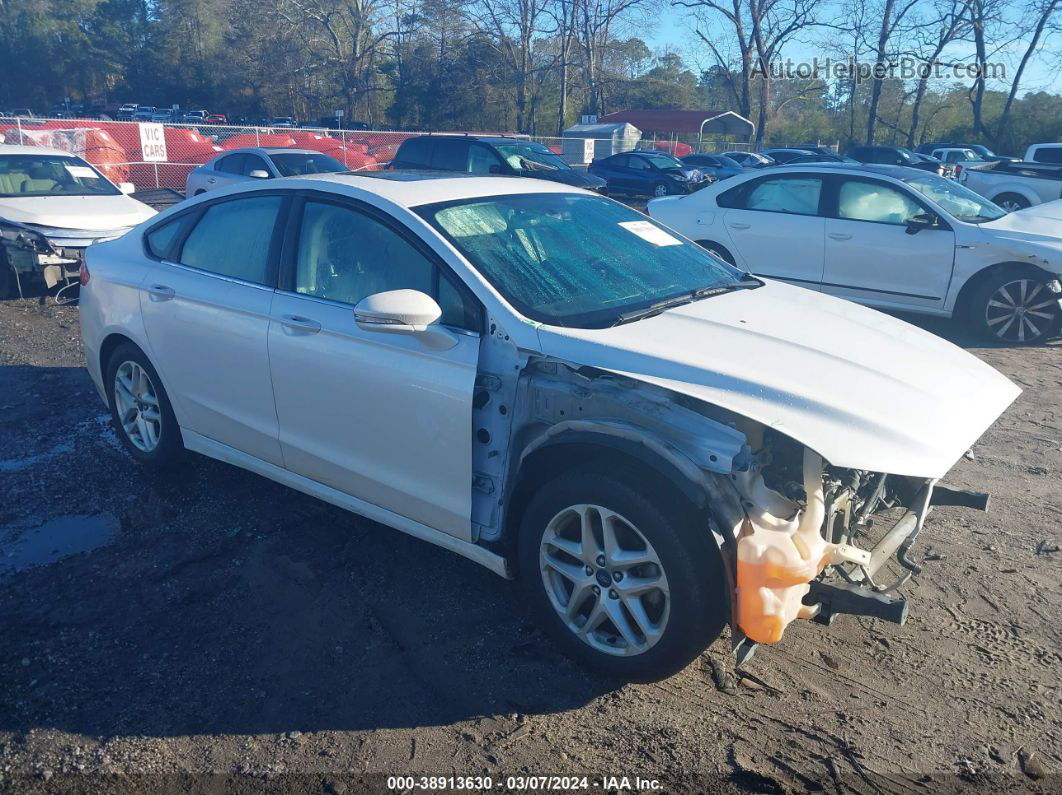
{"x":155,"y":155}
{"x":160,"y":155}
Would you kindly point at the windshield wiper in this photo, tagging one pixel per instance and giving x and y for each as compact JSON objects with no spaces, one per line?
{"x":682,"y":300}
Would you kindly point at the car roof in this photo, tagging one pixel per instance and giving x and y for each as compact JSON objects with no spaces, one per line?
{"x":412,"y":188}
{"x":13,"y":149}
{"x":863,"y":169}
{"x":269,"y":150}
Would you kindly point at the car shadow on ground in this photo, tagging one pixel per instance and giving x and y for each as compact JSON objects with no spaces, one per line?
{"x":226,"y":603}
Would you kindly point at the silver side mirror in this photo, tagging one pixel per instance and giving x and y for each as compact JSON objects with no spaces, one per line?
{"x":259,"y":173}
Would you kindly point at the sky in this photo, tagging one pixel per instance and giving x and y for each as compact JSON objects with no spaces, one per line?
{"x":674,"y":32}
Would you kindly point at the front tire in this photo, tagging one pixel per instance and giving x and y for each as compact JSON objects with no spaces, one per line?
{"x":628,"y":586}
{"x":140,"y":408}
{"x":661,"y":189}
{"x":1014,"y":307}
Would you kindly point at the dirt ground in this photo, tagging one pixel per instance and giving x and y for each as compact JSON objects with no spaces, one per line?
{"x":215,"y":632}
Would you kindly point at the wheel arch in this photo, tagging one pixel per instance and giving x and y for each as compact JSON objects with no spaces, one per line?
{"x":110,"y":344}
{"x":970,"y":287}
{"x":553,"y":453}
{"x":705,"y":243}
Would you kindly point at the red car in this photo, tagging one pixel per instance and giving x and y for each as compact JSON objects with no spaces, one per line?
{"x":216,"y":118}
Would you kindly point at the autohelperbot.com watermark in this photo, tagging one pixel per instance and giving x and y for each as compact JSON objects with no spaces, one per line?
{"x":903,"y":68}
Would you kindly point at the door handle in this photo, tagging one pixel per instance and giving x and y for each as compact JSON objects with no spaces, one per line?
{"x":212,"y":179}
{"x":839,"y":236}
{"x":738,"y":225}
{"x":300,"y":323}
{"x":160,"y":292}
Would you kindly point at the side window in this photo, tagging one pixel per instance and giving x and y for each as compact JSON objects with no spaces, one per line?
{"x":795,"y":195}
{"x":233,"y":164}
{"x":159,"y":241}
{"x":619,"y":161}
{"x":254,"y":163}
{"x":733,"y":198}
{"x":450,"y":155}
{"x":872,"y":201}
{"x":415,"y":152}
{"x":345,"y":255}
{"x":1048,"y":154}
{"x":638,"y":163}
{"x":232,"y":238}
{"x":481,"y":158}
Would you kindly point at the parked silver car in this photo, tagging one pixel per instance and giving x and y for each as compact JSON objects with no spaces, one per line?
{"x":228,"y":168}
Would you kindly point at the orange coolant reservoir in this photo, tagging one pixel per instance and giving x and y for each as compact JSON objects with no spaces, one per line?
{"x":777,"y":559}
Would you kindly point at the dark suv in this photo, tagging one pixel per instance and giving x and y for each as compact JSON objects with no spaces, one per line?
{"x":899,"y":156}
{"x":473,"y":154}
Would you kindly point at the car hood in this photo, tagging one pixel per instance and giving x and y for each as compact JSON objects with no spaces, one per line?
{"x":90,"y":213}
{"x":861,"y":388}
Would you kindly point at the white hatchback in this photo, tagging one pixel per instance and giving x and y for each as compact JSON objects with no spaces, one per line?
{"x":886,"y":236}
{"x":546,"y":382}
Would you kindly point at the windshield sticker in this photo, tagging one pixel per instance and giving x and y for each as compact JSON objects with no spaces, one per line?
{"x":81,"y":172}
{"x":651,"y":233}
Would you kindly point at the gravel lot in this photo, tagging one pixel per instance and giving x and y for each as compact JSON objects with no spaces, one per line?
{"x":213,"y":631}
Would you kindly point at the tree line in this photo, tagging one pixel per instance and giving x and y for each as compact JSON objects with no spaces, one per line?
{"x":537,"y":66}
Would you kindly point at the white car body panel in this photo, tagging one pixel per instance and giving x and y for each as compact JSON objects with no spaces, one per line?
{"x":409,"y":411}
{"x":826,"y":372}
{"x":905,"y":272}
{"x":862,"y":389}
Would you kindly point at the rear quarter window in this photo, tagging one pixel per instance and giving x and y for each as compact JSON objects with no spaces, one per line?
{"x":415,"y":153}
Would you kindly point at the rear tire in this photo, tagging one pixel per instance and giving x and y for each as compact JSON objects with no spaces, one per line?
{"x":658,"y":614}
{"x":1014,"y":307}
{"x":1012,"y":201}
{"x":140,"y":408}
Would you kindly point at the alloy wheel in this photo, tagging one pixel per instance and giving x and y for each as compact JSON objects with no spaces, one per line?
{"x":1010,"y":205}
{"x":660,"y":190}
{"x":605,"y":580}
{"x":1020,"y":311}
{"x":137,"y":404}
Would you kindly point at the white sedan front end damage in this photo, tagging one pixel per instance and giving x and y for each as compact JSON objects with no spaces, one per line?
{"x":845,"y":416}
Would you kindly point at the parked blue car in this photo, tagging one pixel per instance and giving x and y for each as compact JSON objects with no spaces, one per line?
{"x":646,"y":174}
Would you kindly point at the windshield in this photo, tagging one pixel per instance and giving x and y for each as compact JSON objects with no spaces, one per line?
{"x":529,"y":157}
{"x":957,"y":199}
{"x":573,"y":260}
{"x":293,"y":164}
{"x":51,"y":175}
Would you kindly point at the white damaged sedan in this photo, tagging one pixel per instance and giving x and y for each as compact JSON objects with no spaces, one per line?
{"x":654,"y":443}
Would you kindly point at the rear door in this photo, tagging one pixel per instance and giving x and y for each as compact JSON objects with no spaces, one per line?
{"x":870,"y":255}
{"x":205,"y":305}
{"x":776,"y":226}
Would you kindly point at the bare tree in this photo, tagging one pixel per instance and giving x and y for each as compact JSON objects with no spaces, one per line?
{"x":759,"y":29}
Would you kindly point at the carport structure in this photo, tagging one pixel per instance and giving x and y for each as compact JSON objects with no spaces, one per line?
{"x":685,"y":123}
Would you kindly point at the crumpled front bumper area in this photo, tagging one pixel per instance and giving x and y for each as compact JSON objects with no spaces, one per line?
{"x":29,"y":254}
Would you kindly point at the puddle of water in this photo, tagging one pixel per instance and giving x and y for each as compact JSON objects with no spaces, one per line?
{"x":18,"y":464}
{"x":23,"y":548}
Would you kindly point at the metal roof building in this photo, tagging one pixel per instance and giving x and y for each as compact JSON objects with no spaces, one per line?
{"x":684,"y":122}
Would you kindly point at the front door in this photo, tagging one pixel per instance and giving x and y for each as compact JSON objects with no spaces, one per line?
{"x":870,"y":255}
{"x":381,"y":417}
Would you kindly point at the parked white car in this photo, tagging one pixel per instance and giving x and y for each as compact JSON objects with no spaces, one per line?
{"x":52,"y":206}
{"x":239,"y":165}
{"x":1014,"y":185}
{"x":889,"y":237}
{"x":544,"y":381}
